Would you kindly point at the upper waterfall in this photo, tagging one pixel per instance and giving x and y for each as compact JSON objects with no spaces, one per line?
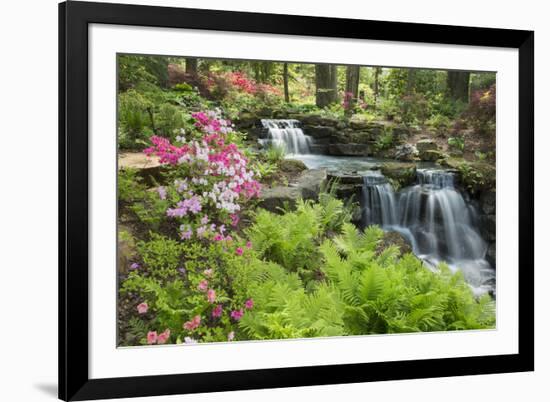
{"x":286,"y":133}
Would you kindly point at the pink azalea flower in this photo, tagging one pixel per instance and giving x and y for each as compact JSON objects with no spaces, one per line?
{"x":237,"y":314}
{"x":142,"y":308}
{"x":217,"y":311}
{"x":193,"y":323}
{"x":211,"y":295}
{"x":151,"y":337}
{"x":239,"y":251}
{"x":231,"y":336}
{"x":203,"y":285}
{"x":234,"y":219}
{"x":134,"y":265}
{"x":163,"y":337}
{"x":249,"y":304}
{"x":249,"y":244}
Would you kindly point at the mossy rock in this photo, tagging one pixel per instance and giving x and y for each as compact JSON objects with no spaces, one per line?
{"x":399,"y":174}
{"x":293,"y":166}
{"x":432,"y":155}
{"x":425,"y":145}
{"x":394,"y":239}
{"x":317,"y":120}
{"x":246,"y":120}
{"x":475,"y":177}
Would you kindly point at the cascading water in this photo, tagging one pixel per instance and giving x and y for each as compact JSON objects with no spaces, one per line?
{"x":439,"y":224}
{"x":286,"y":133}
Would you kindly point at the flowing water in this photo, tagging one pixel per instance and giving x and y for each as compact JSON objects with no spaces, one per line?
{"x":439,"y":223}
{"x":433,"y":215}
{"x":286,"y":133}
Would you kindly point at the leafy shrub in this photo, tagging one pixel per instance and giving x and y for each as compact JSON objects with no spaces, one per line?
{"x":385,"y":140}
{"x":481,"y":112}
{"x":440,"y":124}
{"x":169,"y":119}
{"x":275,"y":154}
{"x":134,"y":119}
{"x":456,"y":143}
{"x":130,"y":186}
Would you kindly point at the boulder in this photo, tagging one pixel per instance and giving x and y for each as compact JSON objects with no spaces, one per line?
{"x":426,"y":145}
{"x":306,"y":186}
{"x":348,"y":136}
{"x":292,"y":166}
{"x":348,"y":191}
{"x":246,"y":120}
{"x":320,"y":132}
{"x":405,"y":152}
{"x":345,"y":177}
{"x":349,"y":149}
{"x":280,"y":197}
{"x":403,"y":174}
{"x":347,"y":184}
{"x":148,"y":167}
{"x":310,"y":182}
{"x":317,"y":120}
{"x":394,"y":239}
{"x":319,"y":149}
{"x":431,"y":155}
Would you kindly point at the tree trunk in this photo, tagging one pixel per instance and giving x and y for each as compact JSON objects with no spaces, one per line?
{"x":191,"y":66}
{"x":458,"y":85}
{"x":285,"y":82}
{"x":334,"y":83}
{"x":352,"y":87}
{"x":323,"y":95}
{"x":376,"y":89}
{"x":411,"y":75}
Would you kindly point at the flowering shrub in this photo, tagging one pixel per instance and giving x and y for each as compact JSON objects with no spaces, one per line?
{"x":216,"y":179}
{"x":179,"y":285}
{"x":238,"y":87}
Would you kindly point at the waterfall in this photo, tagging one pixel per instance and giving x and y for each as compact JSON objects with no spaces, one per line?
{"x":286,"y":133}
{"x":435,"y":218}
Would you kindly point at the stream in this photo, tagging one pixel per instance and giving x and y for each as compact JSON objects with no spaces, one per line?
{"x":439,"y":221}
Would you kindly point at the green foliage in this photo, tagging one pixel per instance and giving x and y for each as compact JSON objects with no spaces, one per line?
{"x":456,"y":143}
{"x":440,"y":124}
{"x":134,"y":119}
{"x":130,"y":186}
{"x":169,"y":119}
{"x":473,"y":179}
{"x":363,"y":293}
{"x":385,"y":140}
{"x":134,"y":69}
{"x":275,"y":154}
{"x":162,"y":255}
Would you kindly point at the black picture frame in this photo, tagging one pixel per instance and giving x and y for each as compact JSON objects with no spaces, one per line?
{"x":74,"y":18}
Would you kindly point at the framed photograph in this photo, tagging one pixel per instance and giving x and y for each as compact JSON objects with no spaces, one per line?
{"x":258,"y":201}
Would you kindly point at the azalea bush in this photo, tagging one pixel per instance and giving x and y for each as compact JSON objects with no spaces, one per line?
{"x":180,"y":276}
